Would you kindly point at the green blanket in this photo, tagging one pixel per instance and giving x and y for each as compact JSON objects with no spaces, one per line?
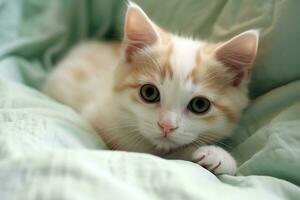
{"x":47,"y":151}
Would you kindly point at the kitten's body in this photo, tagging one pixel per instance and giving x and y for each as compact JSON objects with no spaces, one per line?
{"x":75,"y":80}
{"x":102,"y":82}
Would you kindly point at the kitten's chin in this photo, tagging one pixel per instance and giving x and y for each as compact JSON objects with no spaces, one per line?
{"x":162,"y":144}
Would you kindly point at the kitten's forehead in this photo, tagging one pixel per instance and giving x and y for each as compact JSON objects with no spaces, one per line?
{"x":185,"y":56}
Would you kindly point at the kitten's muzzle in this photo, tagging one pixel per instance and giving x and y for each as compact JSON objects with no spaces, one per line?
{"x":166,"y":128}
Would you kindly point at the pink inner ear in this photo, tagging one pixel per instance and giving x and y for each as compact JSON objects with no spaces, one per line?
{"x":237,"y":55}
{"x":235,"y":58}
{"x":131,"y":48}
{"x":138,"y":39}
{"x":147,"y":36}
{"x":139,"y":31}
{"x":238,"y":79}
{"x":237,"y":64}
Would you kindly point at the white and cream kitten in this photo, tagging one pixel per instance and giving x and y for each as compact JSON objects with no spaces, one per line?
{"x":159,"y":93}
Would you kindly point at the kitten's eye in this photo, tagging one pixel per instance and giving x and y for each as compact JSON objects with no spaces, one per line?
{"x":149,"y":93}
{"x":199,"y":105}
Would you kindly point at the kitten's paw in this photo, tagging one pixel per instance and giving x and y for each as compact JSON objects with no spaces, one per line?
{"x":215,"y":159}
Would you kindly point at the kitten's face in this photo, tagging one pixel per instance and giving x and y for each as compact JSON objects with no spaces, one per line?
{"x":180,"y":91}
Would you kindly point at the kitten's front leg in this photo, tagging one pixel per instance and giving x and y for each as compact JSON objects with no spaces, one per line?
{"x":215,"y":159}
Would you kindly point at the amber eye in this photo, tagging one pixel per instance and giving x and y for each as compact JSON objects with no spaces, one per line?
{"x":149,"y":93}
{"x":199,"y":105}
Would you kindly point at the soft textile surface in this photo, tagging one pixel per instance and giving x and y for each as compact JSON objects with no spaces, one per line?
{"x":47,"y":151}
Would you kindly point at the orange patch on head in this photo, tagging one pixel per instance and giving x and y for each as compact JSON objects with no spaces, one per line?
{"x":129,"y":78}
{"x":198,"y":57}
{"x":194,"y":74}
{"x":121,"y":87}
{"x":197,"y":68}
{"x":231,"y":116}
{"x":144,"y":63}
{"x":166,"y":65}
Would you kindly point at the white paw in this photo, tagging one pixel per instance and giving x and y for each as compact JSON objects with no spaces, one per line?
{"x":215,"y":159}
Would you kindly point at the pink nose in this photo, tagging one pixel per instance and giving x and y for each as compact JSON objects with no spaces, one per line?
{"x":166,"y":128}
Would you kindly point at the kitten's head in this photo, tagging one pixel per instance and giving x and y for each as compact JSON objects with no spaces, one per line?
{"x":178,"y":90}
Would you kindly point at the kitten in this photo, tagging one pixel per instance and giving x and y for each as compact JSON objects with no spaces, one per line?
{"x":159,"y":93}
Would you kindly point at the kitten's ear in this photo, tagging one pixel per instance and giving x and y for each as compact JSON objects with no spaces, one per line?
{"x":139,"y":31}
{"x":238,"y":54}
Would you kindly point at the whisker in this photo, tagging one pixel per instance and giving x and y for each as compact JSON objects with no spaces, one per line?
{"x":215,"y":139}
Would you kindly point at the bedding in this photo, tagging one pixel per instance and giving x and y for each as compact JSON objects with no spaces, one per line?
{"x":47,"y":151}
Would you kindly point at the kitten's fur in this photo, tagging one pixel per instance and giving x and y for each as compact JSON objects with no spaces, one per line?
{"x":102,"y":82}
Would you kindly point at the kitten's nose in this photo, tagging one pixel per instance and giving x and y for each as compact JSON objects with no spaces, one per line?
{"x":166,"y":128}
